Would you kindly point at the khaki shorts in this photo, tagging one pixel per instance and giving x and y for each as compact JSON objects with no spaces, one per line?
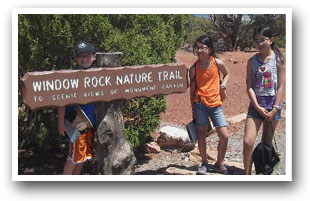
{"x":81,"y":149}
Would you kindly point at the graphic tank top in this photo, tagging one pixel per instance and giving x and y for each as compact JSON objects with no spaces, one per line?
{"x":265,"y":81}
{"x":208,"y":85}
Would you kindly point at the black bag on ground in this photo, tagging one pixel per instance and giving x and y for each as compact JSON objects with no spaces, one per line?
{"x":265,"y":158}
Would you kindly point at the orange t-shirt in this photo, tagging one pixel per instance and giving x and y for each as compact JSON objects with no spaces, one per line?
{"x":208,"y":85}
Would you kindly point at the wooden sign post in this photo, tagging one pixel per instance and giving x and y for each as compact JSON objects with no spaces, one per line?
{"x":106,"y":87}
{"x":114,"y":153}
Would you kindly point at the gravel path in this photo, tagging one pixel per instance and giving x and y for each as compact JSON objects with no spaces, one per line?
{"x":156,"y":164}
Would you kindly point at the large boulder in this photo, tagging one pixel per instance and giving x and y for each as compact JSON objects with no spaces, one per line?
{"x":174,"y":138}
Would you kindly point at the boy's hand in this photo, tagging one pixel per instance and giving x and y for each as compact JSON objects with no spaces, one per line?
{"x":62,"y":129}
{"x":61,"y":121}
{"x":82,"y":125}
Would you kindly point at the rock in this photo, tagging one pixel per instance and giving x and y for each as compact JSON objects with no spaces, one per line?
{"x":178,"y":171}
{"x":211,"y":155}
{"x":195,"y":156}
{"x":211,"y":132}
{"x":151,"y":147}
{"x":283,"y":113}
{"x":234,"y":61}
{"x":237,"y":118}
{"x":174,"y":138}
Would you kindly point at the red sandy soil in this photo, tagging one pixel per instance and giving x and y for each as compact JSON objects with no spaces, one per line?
{"x":179,"y":109}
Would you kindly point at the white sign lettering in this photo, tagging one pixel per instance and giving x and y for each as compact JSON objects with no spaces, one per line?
{"x":59,"y":88}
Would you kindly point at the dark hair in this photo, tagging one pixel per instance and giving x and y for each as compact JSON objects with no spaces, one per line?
{"x":267,"y":32}
{"x":206,"y":40}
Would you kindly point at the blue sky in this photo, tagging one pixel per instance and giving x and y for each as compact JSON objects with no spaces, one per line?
{"x":244,"y":17}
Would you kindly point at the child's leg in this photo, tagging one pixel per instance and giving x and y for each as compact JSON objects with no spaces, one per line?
{"x":269,"y":134}
{"x":218,"y":118}
{"x":68,"y":168}
{"x":72,"y":169}
{"x":78,"y":168}
{"x":201,"y":117}
{"x":222,"y":146}
{"x":251,"y":129}
{"x":202,"y":134}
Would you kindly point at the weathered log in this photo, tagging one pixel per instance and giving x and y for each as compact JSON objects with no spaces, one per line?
{"x":109,"y":59}
{"x":114,"y":154}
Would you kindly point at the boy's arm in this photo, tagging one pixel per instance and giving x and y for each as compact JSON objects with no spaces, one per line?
{"x":61,"y":121}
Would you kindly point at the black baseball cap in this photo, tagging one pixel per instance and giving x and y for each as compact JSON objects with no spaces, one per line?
{"x":84,"y":46}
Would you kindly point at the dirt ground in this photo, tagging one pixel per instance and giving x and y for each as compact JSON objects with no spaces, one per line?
{"x":179,"y":110}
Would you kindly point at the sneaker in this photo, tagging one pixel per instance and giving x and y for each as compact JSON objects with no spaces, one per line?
{"x":203,"y":169}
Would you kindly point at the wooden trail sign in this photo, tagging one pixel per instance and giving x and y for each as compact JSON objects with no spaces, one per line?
{"x":67,"y":87}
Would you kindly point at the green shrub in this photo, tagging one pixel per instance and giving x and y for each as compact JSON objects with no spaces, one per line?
{"x":142,"y":118}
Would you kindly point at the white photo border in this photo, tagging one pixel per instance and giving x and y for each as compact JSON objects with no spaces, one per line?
{"x":286,"y":11}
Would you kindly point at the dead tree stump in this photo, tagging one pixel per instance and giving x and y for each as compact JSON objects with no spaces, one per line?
{"x":114,"y":154}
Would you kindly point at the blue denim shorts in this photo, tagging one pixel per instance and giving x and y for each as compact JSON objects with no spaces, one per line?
{"x":252,"y":113}
{"x":202,"y":112}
